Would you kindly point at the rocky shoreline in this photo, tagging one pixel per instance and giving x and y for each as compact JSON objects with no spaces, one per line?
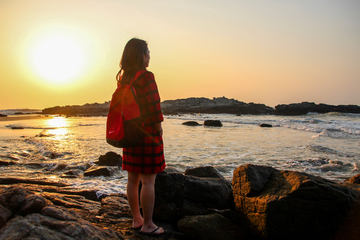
{"x":260,"y":202}
{"x":214,"y":106}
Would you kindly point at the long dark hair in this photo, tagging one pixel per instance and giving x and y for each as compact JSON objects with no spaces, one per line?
{"x":132,"y":59}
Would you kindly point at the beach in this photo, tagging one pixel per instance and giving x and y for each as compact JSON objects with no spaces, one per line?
{"x":59,"y":155}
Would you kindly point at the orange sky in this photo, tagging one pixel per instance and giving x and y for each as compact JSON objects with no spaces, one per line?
{"x":67,"y":52}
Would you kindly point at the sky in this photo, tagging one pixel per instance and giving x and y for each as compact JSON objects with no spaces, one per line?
{"x":66,"y":52}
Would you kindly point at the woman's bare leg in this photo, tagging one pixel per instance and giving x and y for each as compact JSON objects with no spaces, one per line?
{"x":133,"y":198}
{"x":147,"y":200}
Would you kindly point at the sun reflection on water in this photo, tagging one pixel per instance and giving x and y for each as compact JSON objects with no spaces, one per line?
{"x":58,"y":126}
{"x":57,"y":122}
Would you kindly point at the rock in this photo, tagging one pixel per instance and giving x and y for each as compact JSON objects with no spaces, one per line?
{"x":291,"y":205}
{"x":212,"y":226}
{"x":32,"y":204}
{"x":306,"y":107}
{"x":44,"y":135}
{"x":9,"y":180}
{"x":3,"y":115}
{"x":17,"y":127}
{"x":37,"y":226}
{"x":86,"y":199}
{"x":265,"y":125}
{"x":209,"y":172}
{"x":115,"y":207}
{"x":177,"y":195}
{"x":59,"y":213}
{"x":59,"y":167}
{"x":13,"y":198}
{"x":5,"y":214}
{"x":191,"y":123}
{"x":355,"y":179}
{"x":213,"y":123}
{"x":110,"y":159}
{"x":73,"y":173}
{"x":25,"y":215}
{"x":52,"y":155}
{"x":96,"y":171}
{"x":6,"y":162}
{"x":252,"y":179}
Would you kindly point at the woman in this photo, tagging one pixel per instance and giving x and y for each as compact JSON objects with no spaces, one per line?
{"x":146,"y":159}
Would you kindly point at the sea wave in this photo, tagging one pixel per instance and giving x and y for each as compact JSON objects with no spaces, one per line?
{"x":333,"y":125}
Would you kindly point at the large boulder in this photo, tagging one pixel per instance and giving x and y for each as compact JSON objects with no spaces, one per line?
{"x":178,"y":195}
{"x":292,"y":205}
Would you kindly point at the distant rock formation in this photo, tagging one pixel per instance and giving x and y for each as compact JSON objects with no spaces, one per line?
{"x":206,"y":105}
{"x":87,"y":110}
{"x":216,"y":105}
{"x":307,"y":107}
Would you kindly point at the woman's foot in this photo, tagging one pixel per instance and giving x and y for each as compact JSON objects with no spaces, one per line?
{"x":155,"y":232}
{"x":137,"y":223}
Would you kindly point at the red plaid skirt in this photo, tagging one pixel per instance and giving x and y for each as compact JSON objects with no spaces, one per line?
{"x":148,"y":156}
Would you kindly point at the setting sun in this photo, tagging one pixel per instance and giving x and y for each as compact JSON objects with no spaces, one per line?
{"x":57,"y":58}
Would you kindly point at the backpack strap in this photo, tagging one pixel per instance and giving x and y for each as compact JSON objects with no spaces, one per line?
{"x":134,"y":80}
{"x":137,"y":76}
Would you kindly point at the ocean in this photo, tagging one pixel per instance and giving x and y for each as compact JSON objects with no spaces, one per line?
{"x":326,"y":145}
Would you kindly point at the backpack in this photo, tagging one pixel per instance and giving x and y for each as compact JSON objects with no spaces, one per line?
{"x":125,"y":123}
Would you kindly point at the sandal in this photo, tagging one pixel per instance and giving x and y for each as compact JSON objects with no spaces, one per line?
{"x":153,"y":233}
